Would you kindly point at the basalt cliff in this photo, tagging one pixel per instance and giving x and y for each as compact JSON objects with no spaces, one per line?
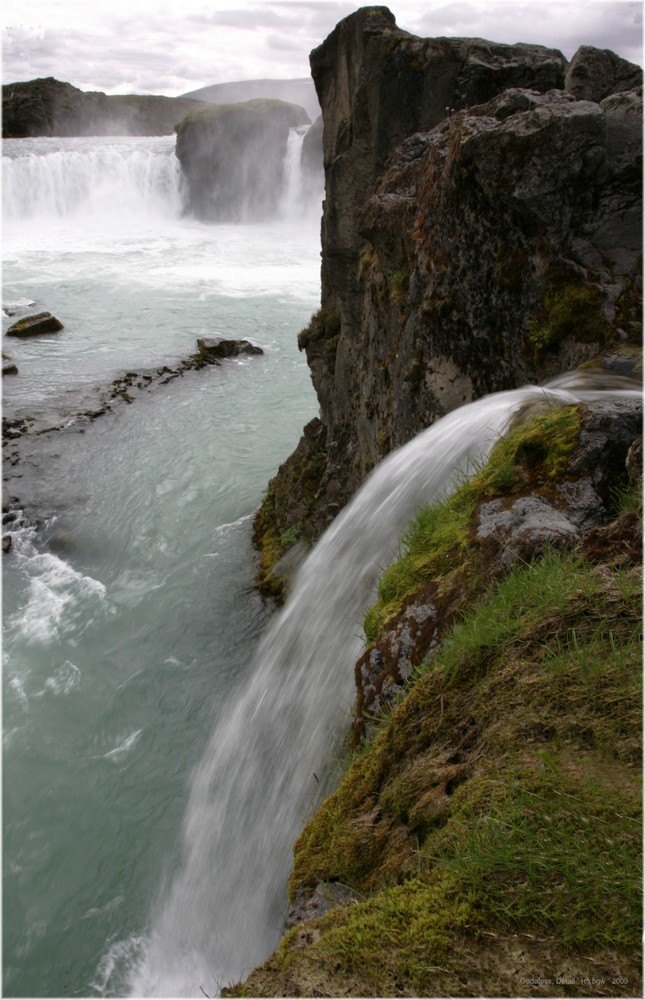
{"x":481,"y":230}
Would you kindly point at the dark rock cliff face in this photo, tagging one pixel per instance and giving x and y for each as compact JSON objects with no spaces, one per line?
{"x":49,"y":107}
{"x":232,"y":156}
{"x":481,"y":230}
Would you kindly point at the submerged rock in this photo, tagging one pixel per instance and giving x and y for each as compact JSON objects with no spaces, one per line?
{"x":35,"y":326}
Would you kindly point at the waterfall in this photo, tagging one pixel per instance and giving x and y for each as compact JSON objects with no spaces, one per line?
{"x":255,"y":787}
{"x":89,"y":178}
{"x":292,"y":195}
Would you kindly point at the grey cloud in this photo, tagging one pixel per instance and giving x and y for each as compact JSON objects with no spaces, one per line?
{"x":158,"y":54}
{"x":283,"y":43}
{"x":563,"y":26}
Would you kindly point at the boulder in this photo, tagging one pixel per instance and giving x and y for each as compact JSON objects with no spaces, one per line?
{"x":9,"y":370}
{"x":35,"y":326}
{"x":594,"y":74}
{"x":215,"y":351}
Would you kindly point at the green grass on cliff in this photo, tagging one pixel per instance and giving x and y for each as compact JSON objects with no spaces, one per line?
{"x":437,"y":543}
{"x":492,"y":828}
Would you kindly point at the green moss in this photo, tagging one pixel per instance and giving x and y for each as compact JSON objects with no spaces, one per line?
{"x":572,"y":311}
{"x":290,"y":536}
{"x":535,"y":451}
{"x":521,"y":745}
{"x":438,"y":542}
{"x":399,"y":286}
{"x":286,"y":506}
{"x":323,"y":325}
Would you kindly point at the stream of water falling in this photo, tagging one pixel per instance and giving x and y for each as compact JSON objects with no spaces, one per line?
{"x":254,"y":788}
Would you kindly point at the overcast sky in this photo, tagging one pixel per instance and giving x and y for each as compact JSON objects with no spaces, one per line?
{"x":151,"y":46}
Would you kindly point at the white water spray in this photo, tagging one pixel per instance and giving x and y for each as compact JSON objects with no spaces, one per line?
{"x":293,"y":190}
{"x":254,"y":788}
{"x":90,"y":178}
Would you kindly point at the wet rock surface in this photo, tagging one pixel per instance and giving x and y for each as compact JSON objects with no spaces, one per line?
{"x":326,"y":895}
{"x":232,"y":157}
{"x":35,"y":326}
{"x":213,"y":351}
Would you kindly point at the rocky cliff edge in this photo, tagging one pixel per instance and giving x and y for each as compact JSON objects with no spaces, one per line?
{"x":481,"y":230}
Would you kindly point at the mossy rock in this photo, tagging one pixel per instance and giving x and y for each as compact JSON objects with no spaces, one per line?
{"x":571,"y":312}
{"x":491,"y":828}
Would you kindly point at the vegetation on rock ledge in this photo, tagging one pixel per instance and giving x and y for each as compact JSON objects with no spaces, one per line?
{"x":491,"y":829}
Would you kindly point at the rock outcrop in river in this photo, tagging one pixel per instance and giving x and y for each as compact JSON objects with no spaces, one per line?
{"x":49,"y":107}
{"x":232,"y":156}
{"x":481,"y":230}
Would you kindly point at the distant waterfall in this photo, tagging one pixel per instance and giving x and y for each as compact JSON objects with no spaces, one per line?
{"x":293,"y":183}
{"x":224,"y":910}
{"x":89,"y":178}
{"x":300,"y":196}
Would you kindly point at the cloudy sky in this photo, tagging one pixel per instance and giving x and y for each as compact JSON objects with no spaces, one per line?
{"x":155,"y":47}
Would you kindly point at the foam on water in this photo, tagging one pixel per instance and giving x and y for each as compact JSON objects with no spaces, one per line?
{"x":123,"y":747}
{"x":56,"y":596}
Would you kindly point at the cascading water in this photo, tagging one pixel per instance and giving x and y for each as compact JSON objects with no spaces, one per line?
{"x":130,"y":622}
{"x":250,"y":796}
{"x":73,"y":179}
{"x":293,"y":204}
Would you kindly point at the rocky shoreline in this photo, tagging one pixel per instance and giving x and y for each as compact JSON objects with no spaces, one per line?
{"x":126,"y":388}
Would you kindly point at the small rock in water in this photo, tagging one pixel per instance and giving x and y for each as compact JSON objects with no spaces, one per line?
{"x":214,"y":350}
{"x":6,"y":542}
{"x":34,"y":326}
{"x":9,"y":370}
